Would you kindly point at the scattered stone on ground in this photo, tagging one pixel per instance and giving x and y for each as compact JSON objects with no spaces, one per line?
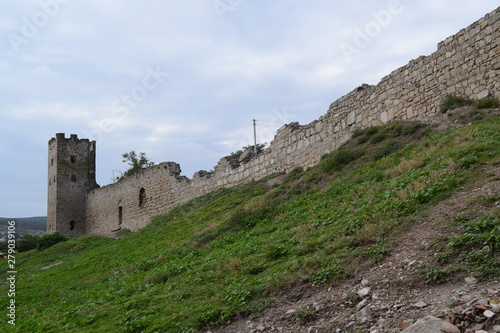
{"x":392,"y":297}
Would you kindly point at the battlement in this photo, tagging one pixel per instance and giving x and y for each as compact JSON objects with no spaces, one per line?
{"x":465,"y":64}
{"x":61,"y":137}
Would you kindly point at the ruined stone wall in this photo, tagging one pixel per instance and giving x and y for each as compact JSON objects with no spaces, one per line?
{"x":465,"y":64}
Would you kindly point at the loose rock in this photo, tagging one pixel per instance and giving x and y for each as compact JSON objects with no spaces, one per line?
{"x":471,"y":280}
{"x":427,"y":324}
{"x":364,"y":315}
{"x":364,"y":292}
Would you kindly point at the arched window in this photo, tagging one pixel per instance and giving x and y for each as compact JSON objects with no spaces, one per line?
{"x":72,"y":159}
{"x":142,"y":197}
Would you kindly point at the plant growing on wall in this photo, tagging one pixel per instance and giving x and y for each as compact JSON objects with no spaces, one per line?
{"x":136,"y":163}
{"x":238,"y":153}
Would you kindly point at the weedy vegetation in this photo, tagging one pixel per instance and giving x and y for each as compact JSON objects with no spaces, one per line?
{"x":225,"y":254}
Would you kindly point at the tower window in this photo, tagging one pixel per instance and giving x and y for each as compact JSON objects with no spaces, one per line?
{"x":72,"y":225}
{"x":120,"y":215}
{"x":72,"y":159}
{"x":73,"y":178}
{"x":142,"y":197}
{"x":51,"y":162}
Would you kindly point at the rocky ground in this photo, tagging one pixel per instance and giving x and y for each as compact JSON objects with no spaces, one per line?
{"x":393,"y":296}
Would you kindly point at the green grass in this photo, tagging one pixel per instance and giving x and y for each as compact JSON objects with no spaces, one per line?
{"x":225,"y":254}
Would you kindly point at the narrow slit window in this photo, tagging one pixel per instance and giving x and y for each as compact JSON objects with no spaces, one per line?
{"x":120,"y":215}
{"x":72,"y":159}
{"x":72,"y":224}
{"x":142,"y":197}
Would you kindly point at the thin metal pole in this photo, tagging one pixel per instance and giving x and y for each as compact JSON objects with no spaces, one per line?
{"x":254,"y":137}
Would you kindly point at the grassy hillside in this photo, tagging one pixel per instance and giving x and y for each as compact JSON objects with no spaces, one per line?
{"x":230,"y":252}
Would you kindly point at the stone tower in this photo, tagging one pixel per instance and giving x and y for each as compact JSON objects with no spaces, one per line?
{"x":71,"y":175}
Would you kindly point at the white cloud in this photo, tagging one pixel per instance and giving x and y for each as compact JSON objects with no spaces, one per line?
{"x":274,"y":61}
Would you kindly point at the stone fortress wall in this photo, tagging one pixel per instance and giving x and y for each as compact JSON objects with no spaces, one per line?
{"x":466,"y":64}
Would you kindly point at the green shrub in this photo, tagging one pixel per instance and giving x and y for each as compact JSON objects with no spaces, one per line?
{"x":413,"y":128}
{"x":357,"y":132}
{"x":338,"y":159}
{"x":362,"y":139}
{"x":50,"y":240}
{"x":369,"y":131}
{"x":435,"y":274}
{"x":296,"y":173}
{"x":487,"y":102}
{"x":387,"y":149}
{"x":379,"y":137}
{"x":28,"y":242}
{"x":451,"y":102}
{"x":305,"y":316}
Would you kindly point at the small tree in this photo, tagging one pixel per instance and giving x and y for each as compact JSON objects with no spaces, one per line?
{"x":136,"y":163}
{"x":238,"y":153}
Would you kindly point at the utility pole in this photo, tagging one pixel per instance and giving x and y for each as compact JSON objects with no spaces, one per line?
{"x":254,"y":137}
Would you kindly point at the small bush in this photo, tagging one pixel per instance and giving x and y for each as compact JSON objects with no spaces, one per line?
{"x":369,"y":131}
{"x":296,"y":173}
{"x":379,"y":137}
{"x":28,"y":242}
{"x":362,"y":139}
{"x":387,"y":149}
{"x":357,"y":132}
{"x":487,"y":102}
{"x":435,"y":274}
{"x":305,"y":316}
{"x":338,"y":159}
{"x":50,"y":240}
{"x":451,"y":102}
{"x":412,"y":129}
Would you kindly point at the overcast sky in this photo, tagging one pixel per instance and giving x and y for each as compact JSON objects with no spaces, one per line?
{"x":182,"y":80}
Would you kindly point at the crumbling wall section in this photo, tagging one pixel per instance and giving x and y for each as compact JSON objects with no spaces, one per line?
{"x":466,"y":64}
